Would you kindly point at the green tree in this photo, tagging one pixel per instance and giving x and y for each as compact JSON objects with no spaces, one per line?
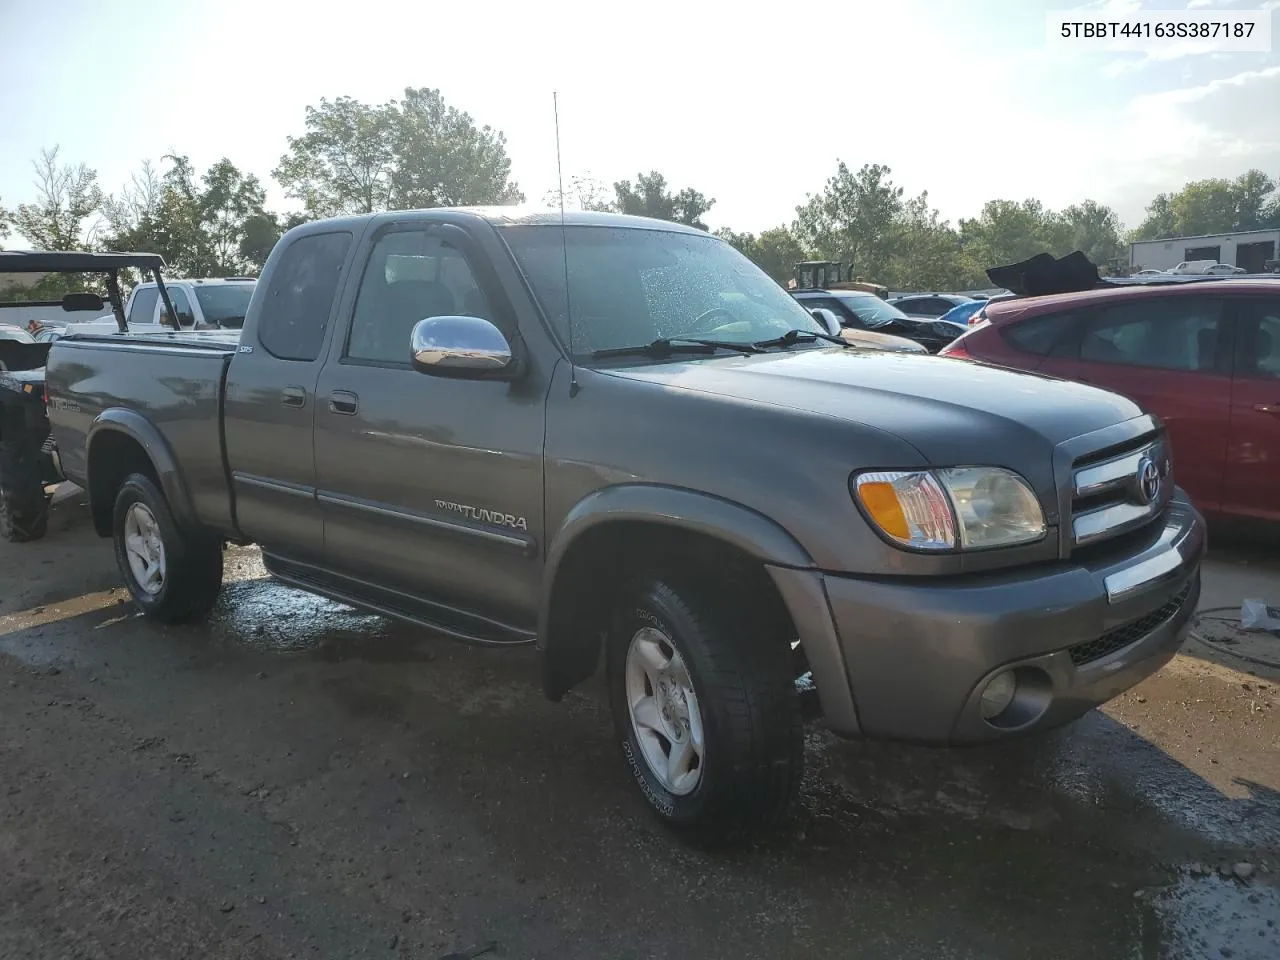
{"x":1160,"y":220}
{"x":344,"y":162}
{"x":852,"y":219}
{"x":651,"y":197}
{"x":744,"y":243}
{"x":1213,"y":206}
{"x":416,"y":152}
{"x":648,"y":198}
{"x":1007,"y":231}
{"x":226,"y":202}
{"x":690,"y":205}
{"x":1252,"y":190}
{"x":774,"y":251}
{"x":926,"y":252}
{"x":442,"y":159}
{"x":208,"y":225}
{"x":1094,"y":230}
{"x":1205,"y":206}
{"x":777,"y":251}
{"x":67,"y":197}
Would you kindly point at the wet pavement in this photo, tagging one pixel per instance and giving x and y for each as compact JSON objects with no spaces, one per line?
{"x":299,"y":779}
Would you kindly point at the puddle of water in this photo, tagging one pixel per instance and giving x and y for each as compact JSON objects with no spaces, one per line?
{"x":1213,"y":917}
{"x":264,"y":615}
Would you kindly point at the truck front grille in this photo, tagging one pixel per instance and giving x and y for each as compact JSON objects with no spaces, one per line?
{"x":1117,"y":491}
{"x":1131,"y":632}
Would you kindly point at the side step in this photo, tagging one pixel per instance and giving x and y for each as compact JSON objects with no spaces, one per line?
{"x":442,"y":618}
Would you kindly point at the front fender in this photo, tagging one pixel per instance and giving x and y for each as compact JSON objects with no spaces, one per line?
{"x":134,"y":425}
{"x":573,"y":657}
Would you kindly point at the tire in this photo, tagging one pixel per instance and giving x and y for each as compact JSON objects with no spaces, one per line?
{"x":187,"y":567}
{"x":749,"y":726}
{"x":24,"y":506}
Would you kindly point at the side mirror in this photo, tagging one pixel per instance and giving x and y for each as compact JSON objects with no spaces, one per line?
{"x":82,"y":301}
{"x":465,"y":347}
{"x":829,"y":321}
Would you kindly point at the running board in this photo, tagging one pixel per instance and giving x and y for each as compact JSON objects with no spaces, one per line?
{"x":452,"y":622}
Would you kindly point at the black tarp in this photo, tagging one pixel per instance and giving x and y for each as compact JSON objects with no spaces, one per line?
{"x":1044,"y":274}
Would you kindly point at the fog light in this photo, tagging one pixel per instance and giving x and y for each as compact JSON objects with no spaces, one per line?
{"x":998,"y":694}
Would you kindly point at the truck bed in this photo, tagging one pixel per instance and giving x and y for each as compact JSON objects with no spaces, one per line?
{"x":179,"y":379}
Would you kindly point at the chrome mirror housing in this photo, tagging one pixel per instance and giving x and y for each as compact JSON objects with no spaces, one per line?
{"x":460,"y":347}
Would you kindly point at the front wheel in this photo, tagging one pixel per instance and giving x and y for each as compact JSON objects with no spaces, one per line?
{"x":174,"y":577}
{"x":706,"y":710}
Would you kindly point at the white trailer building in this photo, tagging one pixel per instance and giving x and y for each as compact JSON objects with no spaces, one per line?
{"x":1249,"y":249}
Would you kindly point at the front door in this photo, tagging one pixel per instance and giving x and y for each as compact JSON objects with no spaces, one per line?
{"x":429,"y":486}
{"x":1252,"y":486}
{"x":1170,"y":356}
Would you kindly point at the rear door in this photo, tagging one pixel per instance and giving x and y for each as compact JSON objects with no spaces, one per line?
{"x":1171,"y":355}
{"x":270,"y":397}
{"x":1252,"y":484}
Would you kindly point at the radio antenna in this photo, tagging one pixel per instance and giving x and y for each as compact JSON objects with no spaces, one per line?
{"x":564,"y":246}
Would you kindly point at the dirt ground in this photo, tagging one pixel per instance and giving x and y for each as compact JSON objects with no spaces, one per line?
{"x":296,"y":779}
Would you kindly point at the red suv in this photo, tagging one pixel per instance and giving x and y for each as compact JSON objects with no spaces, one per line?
{"x":1202,"y":356}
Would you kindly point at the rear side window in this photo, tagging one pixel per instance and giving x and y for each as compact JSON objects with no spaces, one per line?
{"x":299,"y":299}
{"x":1258,"y":349}
{"x":1039,"y":335}
{"x":1175,"y":334}
{"x":143,"y":308}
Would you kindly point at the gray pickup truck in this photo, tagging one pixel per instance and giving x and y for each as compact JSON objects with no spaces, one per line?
{"x":617,"y":439}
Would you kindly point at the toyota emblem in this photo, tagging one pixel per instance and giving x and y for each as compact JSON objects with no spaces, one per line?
{"x":1148,"y":480}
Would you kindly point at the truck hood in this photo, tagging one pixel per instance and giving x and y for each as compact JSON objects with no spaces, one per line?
{"x":952,"y":411}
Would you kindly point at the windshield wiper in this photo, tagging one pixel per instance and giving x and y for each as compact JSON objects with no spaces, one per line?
{"x":665,"y":346}
{"x":801,"y":336}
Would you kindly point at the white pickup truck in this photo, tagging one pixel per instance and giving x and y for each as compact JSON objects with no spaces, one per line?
{"x":205,"y":304}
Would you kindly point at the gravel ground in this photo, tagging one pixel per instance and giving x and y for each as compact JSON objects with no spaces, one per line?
{"x":296,"y":779}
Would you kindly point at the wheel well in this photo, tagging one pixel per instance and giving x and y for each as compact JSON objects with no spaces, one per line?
{"x":113,"y":456}
{"x":602,"y":562}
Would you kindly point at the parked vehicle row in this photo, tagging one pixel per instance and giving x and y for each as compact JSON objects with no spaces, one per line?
{"x":866,"y":311}
{"x":618,"y":440}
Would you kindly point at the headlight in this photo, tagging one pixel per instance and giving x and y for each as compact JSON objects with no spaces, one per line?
{"x":969,"y":508}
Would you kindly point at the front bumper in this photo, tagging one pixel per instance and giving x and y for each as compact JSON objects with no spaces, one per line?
{"x":916,"y":654}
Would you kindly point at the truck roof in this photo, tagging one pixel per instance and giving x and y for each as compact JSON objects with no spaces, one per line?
{"x":201,"y":281}
{"x":500,"y":216}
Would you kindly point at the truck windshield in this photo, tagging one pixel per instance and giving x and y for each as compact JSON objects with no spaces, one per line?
{"x":870,"y":309}
{"x":630,"y":286}
{"x":225,"y":303}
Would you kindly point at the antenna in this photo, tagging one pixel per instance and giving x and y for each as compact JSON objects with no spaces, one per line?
{"x":564,"y":246}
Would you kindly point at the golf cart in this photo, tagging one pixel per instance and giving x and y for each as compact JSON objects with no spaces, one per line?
{"x":28,"y":458}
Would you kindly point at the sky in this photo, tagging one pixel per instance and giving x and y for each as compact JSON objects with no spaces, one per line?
{"x":962,"y":98}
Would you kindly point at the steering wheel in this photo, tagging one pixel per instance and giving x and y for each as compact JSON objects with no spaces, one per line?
{"x":714,"y":311}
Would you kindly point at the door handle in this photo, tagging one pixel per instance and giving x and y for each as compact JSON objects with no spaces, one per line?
{"x":293,"y":397}
{"x":344,"y":402}
{"x":1271,"y":408}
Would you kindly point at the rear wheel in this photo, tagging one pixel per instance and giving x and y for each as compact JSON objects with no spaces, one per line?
{"x":173,"y":576}
{"x":24,"y":506}
{"x":706,"y":710}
